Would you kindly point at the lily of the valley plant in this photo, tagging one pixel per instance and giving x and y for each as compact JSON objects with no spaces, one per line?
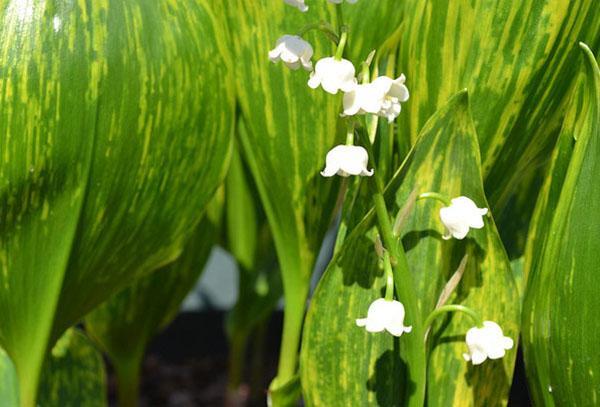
{"x":364,"y":98}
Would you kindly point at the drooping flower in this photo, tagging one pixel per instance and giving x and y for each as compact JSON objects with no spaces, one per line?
{"x":293,"y":51}
{"x":345,"y":161}
{"x":486,"y":342}
{"x":333,"y":75}
{"x":299,"y":4}
{"x":385,"y":315}
{"x":461,"y":215}
{"x":381,"y":97}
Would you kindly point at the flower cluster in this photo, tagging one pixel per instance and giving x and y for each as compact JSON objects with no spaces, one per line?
{"x":382,"y":96}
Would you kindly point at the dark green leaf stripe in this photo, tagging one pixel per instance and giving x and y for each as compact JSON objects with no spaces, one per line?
{"x":73,"y":374}
{"x":115,"y":123}
{"x":517,"y":60}
{"x":344,"y":365}
{"x":560,"y":329}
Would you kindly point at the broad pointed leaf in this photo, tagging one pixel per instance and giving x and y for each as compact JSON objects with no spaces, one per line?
{"x":115,"y":122}
{"x":517,"y":60}
{"x":344,"y":364}
{"x":561,"y":327}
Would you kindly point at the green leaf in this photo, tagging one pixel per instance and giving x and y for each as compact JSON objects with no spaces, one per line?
{"x":73,"y":374}
{"x":115,"y":122}
{"x":560,"y":331}
{"x":289,"y":129}
{"x":370,"y":24}
{"x":516,"y":58}
{"x":9,"y":384}
{"x":124,"y":325}
{"x":342,"y":364}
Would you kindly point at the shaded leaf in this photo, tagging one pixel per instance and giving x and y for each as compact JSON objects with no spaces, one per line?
{"x":73,"y":374}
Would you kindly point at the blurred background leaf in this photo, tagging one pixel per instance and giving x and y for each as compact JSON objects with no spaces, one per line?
{"x":343,"y":364}
{"x":250,"y":241}
{"x":124,"y":325}
{"x":9,"y":383}
{"x":560,"y":326}
{"x":73,"y":374}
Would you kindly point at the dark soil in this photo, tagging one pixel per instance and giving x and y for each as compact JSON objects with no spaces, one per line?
{"x":186,"y":366}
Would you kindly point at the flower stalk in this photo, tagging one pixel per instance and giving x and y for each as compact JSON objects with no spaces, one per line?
{"x":477,"y":320}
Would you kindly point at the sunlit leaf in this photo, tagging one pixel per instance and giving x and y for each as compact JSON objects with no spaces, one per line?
{"x":560,"y":331}
{"x":115,"y":122}
{"x":342,"y":364}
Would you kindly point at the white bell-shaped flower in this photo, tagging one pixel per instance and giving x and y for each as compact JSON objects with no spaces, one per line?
{"x":293,"y":51}
{"x":461,"y":215}
{"x":333,"y":75}
{"x":385,"y":315}
{"x":395,"y":92}
{"x":299,"y":4}
{"x":345,"y":161}
{"x":486,"y":342}
{"x":381,"y":97}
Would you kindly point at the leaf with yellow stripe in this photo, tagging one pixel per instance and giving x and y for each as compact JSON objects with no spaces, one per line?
{"x":560,"y":328}
{"x":516,"y":59}
{"x":343,"y":364}
{"x":288,"y":130}
{"x":115,"y":122}
{"x":124,"y":325}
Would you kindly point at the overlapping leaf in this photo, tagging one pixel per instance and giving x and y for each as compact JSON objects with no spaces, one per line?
{"x":290,"y":128}
{"x":560,"y":314}
{"x":73,"y":374}
{"x":342,"y":364}
{"x":517,"y":60}
{"x":124,"y":325}
{"x":115,"y":121}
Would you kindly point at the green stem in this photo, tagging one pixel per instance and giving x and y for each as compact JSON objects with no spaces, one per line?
{"x":339,"y":16}
{"x":405,"y":288}
{"x":237,"y":358}
{"x":437,"y":196}
{"x":350,"y":133}
{"x":454,"y":308}
{"x":128,"y":380}
{"x":322,"y":27}
{"x":339,"y":53}
{"x":389,"y":277}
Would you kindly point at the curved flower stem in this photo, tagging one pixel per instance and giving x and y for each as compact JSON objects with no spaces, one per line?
{"x":322,"y":26}
{"x":435,"y":195}
{"x":454,"y":308}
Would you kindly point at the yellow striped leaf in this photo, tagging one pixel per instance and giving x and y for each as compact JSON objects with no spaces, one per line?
{"x":115,"y":121}
{"x":516,"y":58}
{"x":344,"y":365}
{"x":560,"y":328}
